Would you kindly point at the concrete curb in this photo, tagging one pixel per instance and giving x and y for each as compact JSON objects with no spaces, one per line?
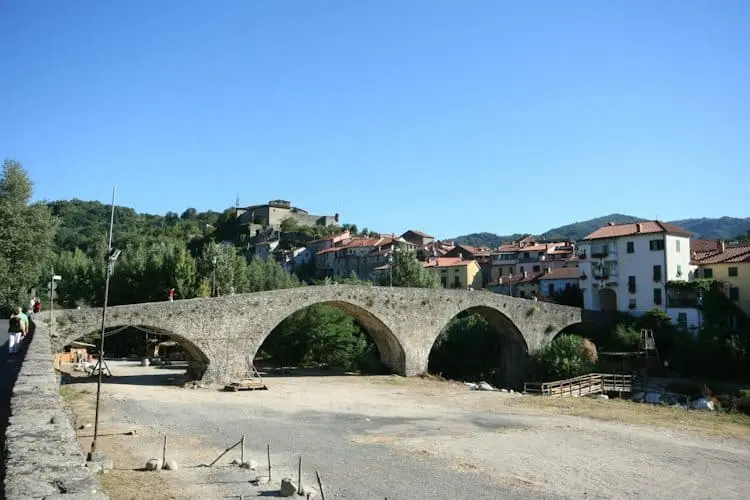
{"x":42,"y":457}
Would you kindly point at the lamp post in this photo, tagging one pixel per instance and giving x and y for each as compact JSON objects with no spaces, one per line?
{"x":213,"y":280}
{"x":52,"y":286}
{"x":390,"y":269}
{"x":112,"y":256}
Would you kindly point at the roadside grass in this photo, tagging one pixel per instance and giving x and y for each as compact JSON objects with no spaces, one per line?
{"x":613,"y":410}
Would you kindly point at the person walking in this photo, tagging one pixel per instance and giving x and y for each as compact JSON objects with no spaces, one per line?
{"x":15,"y":331}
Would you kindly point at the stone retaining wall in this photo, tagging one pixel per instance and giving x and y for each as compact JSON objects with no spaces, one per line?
{"x":43,"y":459}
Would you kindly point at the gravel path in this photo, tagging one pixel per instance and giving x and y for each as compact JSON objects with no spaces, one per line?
{"x":379,"y":437}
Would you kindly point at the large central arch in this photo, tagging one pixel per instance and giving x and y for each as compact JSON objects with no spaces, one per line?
{"x":513,"y":356}
{"x":391,"y":351}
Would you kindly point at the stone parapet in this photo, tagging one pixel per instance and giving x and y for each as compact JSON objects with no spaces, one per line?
{"x":43,"y":458}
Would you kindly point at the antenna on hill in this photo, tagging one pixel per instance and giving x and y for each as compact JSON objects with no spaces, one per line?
{"x":237,"y":202}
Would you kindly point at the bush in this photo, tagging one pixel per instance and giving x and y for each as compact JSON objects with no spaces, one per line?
{"x":564,"y":357}
{"x":626,"y":337}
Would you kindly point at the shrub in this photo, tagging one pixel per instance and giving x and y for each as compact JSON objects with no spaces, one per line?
{"x":590,"y":353}
{"x":564,"y":357}
{"x":626,"y":337}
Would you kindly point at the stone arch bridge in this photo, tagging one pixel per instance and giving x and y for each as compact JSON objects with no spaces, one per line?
{"x":220,"y":334}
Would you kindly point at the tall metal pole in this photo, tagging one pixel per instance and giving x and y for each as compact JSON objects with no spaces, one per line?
{"x":104,"y":319}
{"x":52,"y":302}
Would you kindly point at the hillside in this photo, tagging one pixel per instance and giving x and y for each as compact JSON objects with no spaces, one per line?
{"x":726,"y":228}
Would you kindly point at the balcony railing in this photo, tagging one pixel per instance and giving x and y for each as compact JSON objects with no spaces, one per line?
{"x":606,"y":274}
{"x":599,"y":252}
{"x":527,"y":260}
{"x":690,"y":302}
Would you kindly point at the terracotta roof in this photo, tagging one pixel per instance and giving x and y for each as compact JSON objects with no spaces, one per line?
{"x":517,"y":279}
{"x":701,"y":246}
{"x":447,"y":262}
{"x":734,"y":254}
{"x":562,"y":273}
{"x":329,"y":238}
{"x":418,"y":233}
{"x":632,"y":229}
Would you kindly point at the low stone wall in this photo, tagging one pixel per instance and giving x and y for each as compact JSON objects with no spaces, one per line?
{"x":42,"y":456}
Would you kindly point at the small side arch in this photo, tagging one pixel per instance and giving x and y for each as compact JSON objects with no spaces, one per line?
{"x":198,"y":361}
{"x":391,"y":351}
{"x":510,"y":356}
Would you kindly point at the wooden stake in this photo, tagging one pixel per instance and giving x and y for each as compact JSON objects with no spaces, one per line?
{"x":268,"y":453}
{"x":320,"y":485}
{"x":242,"y":452}
{"x":299,"y":476}
{"x":164,"y":453}
{"x":225,"y":452}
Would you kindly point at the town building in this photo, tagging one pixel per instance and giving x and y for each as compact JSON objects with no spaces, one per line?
{"x":530,"y":256}
{"x":729,"y":264}
{"x":524,"y":285}
{"x":626,"y":268}
{"x":456,"y":272}
{"x":258,"y":218}
{"x":360,"y":256}
{"x":559,"y":280}
{"x":482,"y":255}
{"x":417,"y":238}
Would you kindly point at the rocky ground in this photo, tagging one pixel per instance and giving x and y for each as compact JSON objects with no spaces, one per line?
{"x":396,"y":438}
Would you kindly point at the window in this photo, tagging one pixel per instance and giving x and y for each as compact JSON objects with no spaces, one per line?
{"x":657,"y":273}
{"x":656,"y":244}
{"x":551,"y":289}
{"x":456,"y":282}
{"x":708,"y":273}
{"x":679,"y":270}
{"x":676,"y":245}
{"x":526,"y":255}
{"x":682,"y":318}
{"x":631,"y":247}
{"x":733,"y":272}
{"x":631,"y":304}
{"x":734,"y":293}
{"x":631,"y":284}
{"x":657,"y":296}
{"x":536,"y":269}
{"x":521,"y":271}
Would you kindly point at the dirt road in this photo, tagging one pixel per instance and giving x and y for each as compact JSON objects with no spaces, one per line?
{"x":378,"y":437}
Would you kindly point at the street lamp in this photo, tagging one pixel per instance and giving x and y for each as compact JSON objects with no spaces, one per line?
{"x":213,"y":286}
{"x":112,"y":255}
{"x":390,"y":269}
{"x":52,"y":287}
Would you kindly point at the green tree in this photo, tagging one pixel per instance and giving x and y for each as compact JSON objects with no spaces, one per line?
{"x":564,"y":357}
{"x":408,"y":272}
{"x":27,"y":231}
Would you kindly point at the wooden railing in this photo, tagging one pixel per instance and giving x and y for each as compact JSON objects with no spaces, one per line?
{"x":592,"y":383}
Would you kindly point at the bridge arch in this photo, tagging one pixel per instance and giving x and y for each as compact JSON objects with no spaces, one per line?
{"x":198,"y":361}
{"x":505,"y":353}
{"x":390,"y":348}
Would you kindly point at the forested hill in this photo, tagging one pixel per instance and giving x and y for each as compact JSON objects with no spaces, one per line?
{"x":726,"y":228}
{"x":84,"y":224}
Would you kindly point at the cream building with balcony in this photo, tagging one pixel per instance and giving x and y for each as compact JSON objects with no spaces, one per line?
{"x":626,"y":267}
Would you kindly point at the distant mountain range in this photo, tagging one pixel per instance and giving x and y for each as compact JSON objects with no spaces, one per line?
{"x":724,"y":228}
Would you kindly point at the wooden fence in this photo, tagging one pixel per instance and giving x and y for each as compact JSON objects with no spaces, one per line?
{"x":592,"y":383}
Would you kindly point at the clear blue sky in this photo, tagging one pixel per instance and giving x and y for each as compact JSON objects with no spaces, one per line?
{"x":446,"y":116}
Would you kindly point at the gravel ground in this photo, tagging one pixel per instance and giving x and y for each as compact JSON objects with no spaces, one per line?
{"x":378,"y":437}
